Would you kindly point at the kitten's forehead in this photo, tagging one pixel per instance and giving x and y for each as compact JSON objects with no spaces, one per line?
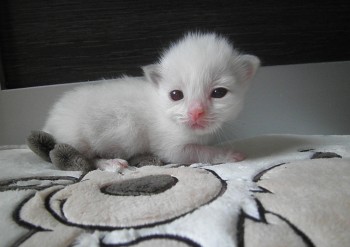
{"x":196,"y":52}
{"x":198,"y":63}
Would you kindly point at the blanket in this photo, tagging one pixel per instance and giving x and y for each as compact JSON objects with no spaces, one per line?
{"x":291,"y":191}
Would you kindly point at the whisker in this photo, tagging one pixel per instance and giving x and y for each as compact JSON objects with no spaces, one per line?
{"x":219,"y":134}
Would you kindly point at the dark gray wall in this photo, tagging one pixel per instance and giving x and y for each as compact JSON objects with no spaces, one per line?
{"x":47,"y":42}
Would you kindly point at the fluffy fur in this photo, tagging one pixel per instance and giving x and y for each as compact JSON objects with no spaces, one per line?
{"x":128,"y":116}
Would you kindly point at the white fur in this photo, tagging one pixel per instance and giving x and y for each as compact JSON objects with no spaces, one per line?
{"x":128,"y":116}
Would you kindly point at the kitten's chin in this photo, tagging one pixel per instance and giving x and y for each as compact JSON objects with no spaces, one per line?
{"x":197,"y":126}
{"x":201,"y":129}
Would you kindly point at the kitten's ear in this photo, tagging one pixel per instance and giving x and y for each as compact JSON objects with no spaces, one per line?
{"x":249,"y":64}
{"x":152,"y":73}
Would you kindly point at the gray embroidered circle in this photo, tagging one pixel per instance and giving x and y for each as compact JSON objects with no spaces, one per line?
{"x":148,"y":185}
{"x":325,"y":155}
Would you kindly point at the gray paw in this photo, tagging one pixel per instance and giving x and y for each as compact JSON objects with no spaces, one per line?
{"x":41,"y":143}
{"x":66,"y":157}
{"x":145,"y":160}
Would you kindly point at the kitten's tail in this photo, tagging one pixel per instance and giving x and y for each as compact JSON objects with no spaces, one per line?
{"x":41,"y":143}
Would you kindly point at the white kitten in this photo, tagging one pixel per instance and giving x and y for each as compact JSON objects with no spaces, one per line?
{"x":173,"y":112}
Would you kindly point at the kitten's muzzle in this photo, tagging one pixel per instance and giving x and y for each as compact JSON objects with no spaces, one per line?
{"x":196,"y":112}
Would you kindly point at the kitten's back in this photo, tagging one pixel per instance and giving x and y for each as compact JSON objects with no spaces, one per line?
{"x":90,"y":109}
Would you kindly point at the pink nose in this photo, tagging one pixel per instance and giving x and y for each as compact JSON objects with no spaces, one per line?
{"x":196,"y":112}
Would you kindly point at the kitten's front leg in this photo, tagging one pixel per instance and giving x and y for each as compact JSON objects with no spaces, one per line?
{"x":209,"y":154}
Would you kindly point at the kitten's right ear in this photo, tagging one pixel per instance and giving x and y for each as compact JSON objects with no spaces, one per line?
{"x":249,"y":64}
{"x":152,"y":73}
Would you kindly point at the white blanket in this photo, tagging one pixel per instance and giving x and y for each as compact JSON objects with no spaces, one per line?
{"x":278,"y":196}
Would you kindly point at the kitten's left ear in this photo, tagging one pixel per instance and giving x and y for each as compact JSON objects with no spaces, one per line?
{"x":152,"y":73}
{"x":249,"y":64}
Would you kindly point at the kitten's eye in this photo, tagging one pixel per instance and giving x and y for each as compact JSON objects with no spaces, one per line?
{"x":219,"y":92}
{"x":176,"y":95}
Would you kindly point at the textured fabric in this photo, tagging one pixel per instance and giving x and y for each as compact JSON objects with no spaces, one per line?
{"x":290,"y":191}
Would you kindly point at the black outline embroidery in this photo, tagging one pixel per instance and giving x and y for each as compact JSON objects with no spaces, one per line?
{"x":261,"y":190}
{"x":240,"y":229}
{"x":306,"y":150}
{"x":17,"y":212}
{"x":33,"y":229}
{"x":5,"y":185}
{"x":262,"y":212}
{"x":178,"y":238}
{"x":62,"y":219}
{"x":24,"y":238}
{"x":258,"y":176}
{"x":296,"y":230}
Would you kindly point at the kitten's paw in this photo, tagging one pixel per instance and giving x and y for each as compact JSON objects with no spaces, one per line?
{"x":67,"y":158}
{"x":229,"y":157}
{"x":145,"y":160}
{"x":237,"y":156}
{"x":112,"y":165}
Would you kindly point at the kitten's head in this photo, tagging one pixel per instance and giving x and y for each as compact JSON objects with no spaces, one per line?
{"x":202,"y":81}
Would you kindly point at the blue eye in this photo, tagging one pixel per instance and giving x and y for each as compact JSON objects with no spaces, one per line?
{"x":219,"y":92}
{"x":176,"y":95}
